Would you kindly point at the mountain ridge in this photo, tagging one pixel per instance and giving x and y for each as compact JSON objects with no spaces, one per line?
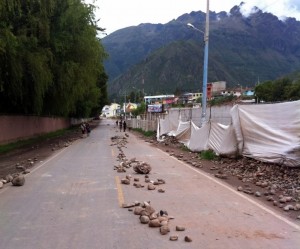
{"x":242,"y":50}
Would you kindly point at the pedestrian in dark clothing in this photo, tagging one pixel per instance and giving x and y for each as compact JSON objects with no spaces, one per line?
{"x":88,"y":129}
{"x":124,"y":125}
{"x":82,"y":127}
{"x":120,"y":124}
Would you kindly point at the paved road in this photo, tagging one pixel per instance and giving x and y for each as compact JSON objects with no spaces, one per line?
{"x":73,"y":201}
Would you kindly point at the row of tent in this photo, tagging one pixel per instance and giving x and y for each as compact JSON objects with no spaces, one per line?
{"x":267,"y":132}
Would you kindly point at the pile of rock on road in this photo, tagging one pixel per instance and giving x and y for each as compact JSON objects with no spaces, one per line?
{"x":18,"y":178}
{"x":161,"y":219}
{"x":145,"y":211}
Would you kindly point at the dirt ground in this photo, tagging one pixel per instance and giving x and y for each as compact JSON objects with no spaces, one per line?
{"x":275,"y":186}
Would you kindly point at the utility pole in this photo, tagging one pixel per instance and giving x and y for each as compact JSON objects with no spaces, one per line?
{"x":205,"y":66}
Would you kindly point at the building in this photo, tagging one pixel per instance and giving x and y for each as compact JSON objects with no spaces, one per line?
{"x":159,"y":99}
{"x":110,"y":110}
{"x":188,"y":98}
{"x":214,"y":88}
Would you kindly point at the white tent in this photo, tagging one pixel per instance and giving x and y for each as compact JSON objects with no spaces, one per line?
{"x":268,"y":132}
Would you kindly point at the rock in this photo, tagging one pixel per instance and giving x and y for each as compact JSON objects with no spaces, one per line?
{"x":180,"y":228}
{"x":124,"y":205}
{"x":174,"y":237}
{"x":144,"y":219}
{"x":151,"y":186}
{"x":162,"y":218}
{"x":257,"y":194}
{"x":160,"y":190}
{"x":154,"y":223}
{"x":138,"y":210}
{"x":18,"y":181}
{"x":164,"y":230}
{"x":125,"y":181}
{"x":239,"y":188}
{"x":149,"y":209}
{"x":26,"y":171}
{"x":8,"y":178}
{"x":1,"y":184}
{"x":288,"y":207}
{"x":188,"y":239}
{"x":163,"y":212}
{"x":153,"y":216}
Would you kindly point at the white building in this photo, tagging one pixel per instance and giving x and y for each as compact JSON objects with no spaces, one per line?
{"x":110,"y":110}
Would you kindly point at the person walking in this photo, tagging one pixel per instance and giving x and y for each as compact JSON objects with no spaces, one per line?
{"x":82,"y":127}
{"x":117,"y":123}
{"x":120,"y":124}
{"x":124,"y":126}
{"x":88,"y":129}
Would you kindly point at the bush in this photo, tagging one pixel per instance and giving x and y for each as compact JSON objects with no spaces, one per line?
{"x":208,"y":155}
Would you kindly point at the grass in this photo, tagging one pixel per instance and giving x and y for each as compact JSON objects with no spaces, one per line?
{"x":184,"y":148}
{"x":145,"y":133}
{"x":5,"y":148}
{"x":208,"y":155}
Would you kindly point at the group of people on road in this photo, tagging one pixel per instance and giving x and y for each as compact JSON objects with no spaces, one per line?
{"x":85,"y":128}
{"x":121,"y":124}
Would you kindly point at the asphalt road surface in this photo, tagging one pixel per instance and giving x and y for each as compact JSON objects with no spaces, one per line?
{"x":73,"y":200}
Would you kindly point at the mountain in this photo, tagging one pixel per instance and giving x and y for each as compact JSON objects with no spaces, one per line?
{"x":161,"y":58}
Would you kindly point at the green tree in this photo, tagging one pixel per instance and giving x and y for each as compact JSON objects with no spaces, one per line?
{"x":51,"y":61}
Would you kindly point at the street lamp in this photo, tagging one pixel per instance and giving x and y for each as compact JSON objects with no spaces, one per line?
{"x":205,"y":64}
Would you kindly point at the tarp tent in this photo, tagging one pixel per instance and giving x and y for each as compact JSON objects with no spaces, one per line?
{"x":268,"y":132}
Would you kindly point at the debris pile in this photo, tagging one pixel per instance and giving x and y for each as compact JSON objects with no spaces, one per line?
{"x":161,"y":220}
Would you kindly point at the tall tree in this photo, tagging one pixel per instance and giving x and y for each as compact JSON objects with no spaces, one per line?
{"x":51,"y":61}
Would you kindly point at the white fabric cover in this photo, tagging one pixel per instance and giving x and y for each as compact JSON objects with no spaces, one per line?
{"x":183,"y":132}
{"x":268,"y":132}
{"x":271,"y":132}
{"x":222,"y":139}
{"x":199,"y":137}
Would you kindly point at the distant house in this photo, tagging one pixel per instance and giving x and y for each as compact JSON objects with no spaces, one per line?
{"x":189,"y":97}
{"x":215,"y":88}
{"x":110,"y":110}
{"x":130,"y":107}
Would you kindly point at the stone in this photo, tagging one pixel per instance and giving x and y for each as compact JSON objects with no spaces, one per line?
{"x":150,"y":209}
{"x":174,"y":237}
{"x":160,"y":190}
{"x":125,"y":205}
{"x":138,"y":210}
{"x":180,"y":228}
{"x":1,"y":184}
{"x":8,"y":178}
{"x":154,"y":223}
{"x":144,"y":219}
{"x":18,"y":181}
{"x":257,"y":194}
{"x":188,"y":239}
{"x":164,"y":230}
{"x":125,"y":181}
{"x":151,"y":186}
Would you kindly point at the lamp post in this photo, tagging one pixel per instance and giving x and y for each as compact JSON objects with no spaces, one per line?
{"x":205,"y":64}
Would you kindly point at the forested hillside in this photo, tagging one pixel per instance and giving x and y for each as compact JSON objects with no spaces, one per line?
{"x":51,"y":61}
{"x":162,"y":58}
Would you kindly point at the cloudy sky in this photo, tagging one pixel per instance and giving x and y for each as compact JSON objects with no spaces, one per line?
{"x":117,"y":14}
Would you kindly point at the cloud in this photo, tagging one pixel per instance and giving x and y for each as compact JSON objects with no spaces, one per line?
{"x":281,"y":8}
